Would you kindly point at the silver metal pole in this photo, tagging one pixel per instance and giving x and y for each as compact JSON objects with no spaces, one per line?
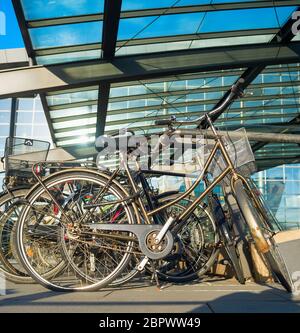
{"x":252,"y":136}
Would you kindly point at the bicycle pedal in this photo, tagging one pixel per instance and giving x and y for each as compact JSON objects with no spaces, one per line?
{"x":143,"y":264}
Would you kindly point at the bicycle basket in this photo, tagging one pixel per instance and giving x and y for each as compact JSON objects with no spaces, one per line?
{"x":21,"y":154}
{"x":240,"y":153}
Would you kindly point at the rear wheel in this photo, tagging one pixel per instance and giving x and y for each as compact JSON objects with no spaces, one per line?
{"x":262,"y":235}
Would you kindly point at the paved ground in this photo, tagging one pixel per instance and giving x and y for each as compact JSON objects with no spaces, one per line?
{"x":206,"y":297}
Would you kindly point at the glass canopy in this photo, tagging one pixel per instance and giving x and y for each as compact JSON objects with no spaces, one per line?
{"x":60,"y":32}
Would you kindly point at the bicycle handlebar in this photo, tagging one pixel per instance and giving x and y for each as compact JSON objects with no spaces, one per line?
{"x":236,"y":91}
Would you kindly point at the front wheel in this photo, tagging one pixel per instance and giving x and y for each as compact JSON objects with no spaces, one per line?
{"x":261,"y":234}
{"x":90,"y":259}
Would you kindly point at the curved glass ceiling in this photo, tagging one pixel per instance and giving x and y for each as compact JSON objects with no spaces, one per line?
{"x":64,"y":31}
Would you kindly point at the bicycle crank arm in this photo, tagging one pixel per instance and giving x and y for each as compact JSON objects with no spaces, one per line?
{"x":146,"y":234}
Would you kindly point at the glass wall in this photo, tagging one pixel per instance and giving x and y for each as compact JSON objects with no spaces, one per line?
{"x":280,"y":187}
{"x":31,"y":121}
{"x":5,"y":107}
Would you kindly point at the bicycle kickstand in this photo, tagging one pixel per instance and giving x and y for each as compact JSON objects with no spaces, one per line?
{"x":154,"y":277}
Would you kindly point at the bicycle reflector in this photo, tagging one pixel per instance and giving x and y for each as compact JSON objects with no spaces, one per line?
{"x":38,"y":169}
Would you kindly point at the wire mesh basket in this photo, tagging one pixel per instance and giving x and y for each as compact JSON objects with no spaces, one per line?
{"x":239,"y":151}
{"x":21,"y":154}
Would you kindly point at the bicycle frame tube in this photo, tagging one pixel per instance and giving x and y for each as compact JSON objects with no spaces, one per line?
{"x":135,"y":188}
{"x":219,"y":145}
{"x":230,"y":169}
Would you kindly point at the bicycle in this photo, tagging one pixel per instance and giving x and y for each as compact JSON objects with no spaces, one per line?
{"x":109,"y":239}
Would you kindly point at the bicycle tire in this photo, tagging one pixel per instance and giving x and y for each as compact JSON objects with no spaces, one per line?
{"x":18,"y":274}
{"x":8,"y":272}
{"x":266,"y":246}
{"x":226,"y":237}
{"x":189,"y":276}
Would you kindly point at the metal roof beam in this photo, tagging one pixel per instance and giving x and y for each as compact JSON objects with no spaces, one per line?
{"x":193,"y":76}
{"x":39,"y":79}
{"x":112,"y":12}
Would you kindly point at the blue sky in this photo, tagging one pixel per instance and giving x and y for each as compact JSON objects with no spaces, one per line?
{"x":12,"y":38}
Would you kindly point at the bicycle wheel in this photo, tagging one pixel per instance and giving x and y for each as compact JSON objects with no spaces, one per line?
{"x":226,"y":237}
{"x":262,"y":235}
{"x":14,"y":269}
{"x":196,"y":247}
{"x":9,"y":265}
{"x":92,"y":260}
{"x":189,"y":260}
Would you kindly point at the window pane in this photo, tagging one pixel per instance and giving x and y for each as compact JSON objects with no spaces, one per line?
{"x":179,"y":24}
{"x":5,"y":104}
{"x":190,"y":44}
{"x":5,"y":117}
{"x":24,"y":131}
{"x":43,"y":9}
{"x":146,"y":4}
{"x":24,"y":117}
{"x":79,"y":96}
{"x":69,"y":57}
{"x":4,"y":130}
{"x":66,"y":35}
{"x":25,"y":104}
{"x":73,"y":112}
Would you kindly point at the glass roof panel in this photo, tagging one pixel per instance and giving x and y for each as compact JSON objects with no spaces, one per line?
{"x":173,"y":86}
{"x":66,"y":35}
{"x":73,"y":112}
{"x":178,"y":24}
{"x":74,"y":123}
{"x":44,"y":9}
{"x":146,"y":4}
{"x":273,"y":98}
{"x":69,"y":57}
{"x":74,"y":97}
{"x":80,"y":140}
{"x":81,"y":132}
{"x":190,"y":44}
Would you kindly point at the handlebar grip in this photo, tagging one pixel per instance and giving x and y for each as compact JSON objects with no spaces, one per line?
{"x":237,"y":88}
{"x":163,"y":122}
